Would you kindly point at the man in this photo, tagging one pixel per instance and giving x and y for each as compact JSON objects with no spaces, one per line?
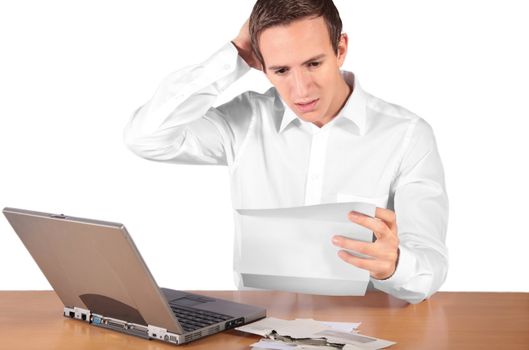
{"x":314,"y":137}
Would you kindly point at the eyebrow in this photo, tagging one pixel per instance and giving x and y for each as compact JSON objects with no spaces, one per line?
{"x":307,"y":61}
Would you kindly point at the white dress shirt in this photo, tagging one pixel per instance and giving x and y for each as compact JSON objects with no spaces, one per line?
{"x":372,"y":151}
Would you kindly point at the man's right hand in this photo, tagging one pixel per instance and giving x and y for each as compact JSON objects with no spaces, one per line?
{"x":243,"y":44}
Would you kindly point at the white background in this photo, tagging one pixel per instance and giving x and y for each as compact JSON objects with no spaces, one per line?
{"x":72,"y":73}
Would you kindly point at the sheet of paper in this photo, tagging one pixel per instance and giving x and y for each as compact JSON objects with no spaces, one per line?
{"x":290,"y":249}
{"x":336,"y":212}
{"x":342,"y":326}
{"x":271,"y":344}
{"x":266,"y":325}
{"x":279,"y":345}
{"x":363,"y":341}
{"x":299,"y":330}
{"x":302,"y":328}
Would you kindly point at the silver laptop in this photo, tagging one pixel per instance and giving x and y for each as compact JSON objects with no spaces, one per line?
{"x":101,"y":278}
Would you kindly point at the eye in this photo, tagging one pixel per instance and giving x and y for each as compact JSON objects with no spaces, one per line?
{"x":280,"y":71}
{"x":314,"y":64}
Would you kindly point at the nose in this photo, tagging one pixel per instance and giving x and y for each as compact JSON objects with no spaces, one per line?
{"x":300,"y":84}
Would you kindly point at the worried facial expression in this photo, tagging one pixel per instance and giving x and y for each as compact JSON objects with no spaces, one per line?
{"x":304,"y":68}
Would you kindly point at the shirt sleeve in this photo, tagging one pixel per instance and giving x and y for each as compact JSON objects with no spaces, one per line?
{"x":179,"y":125}
{"x":421,"y":207}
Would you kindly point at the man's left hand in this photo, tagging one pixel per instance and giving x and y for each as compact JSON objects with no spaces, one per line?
{"x":384,"y":251}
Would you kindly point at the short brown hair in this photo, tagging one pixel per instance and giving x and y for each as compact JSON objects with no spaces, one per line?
{"x":268,"y":13}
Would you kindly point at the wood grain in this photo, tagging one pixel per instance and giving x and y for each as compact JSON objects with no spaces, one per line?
{"x":448,"y":320}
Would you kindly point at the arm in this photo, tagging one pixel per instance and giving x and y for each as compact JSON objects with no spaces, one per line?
{"x":179,"y":125}
{"x":409,"y":258}
{"x":421,"y":207}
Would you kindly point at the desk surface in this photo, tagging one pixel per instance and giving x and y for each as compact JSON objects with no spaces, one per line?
{"x":33,"y":320}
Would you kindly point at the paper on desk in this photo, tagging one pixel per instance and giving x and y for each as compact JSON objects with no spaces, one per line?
{"x":342,"y":326}
{"x":290,"y":248}
{"x":268,"y":344}
{"x":302,"y":329}
{"x":272,"y":344}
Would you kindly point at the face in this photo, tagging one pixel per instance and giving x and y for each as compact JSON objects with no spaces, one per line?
{"x":302,"y":65}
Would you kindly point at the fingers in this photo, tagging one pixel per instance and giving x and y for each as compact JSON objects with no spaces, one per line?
{"x":377,"y":250}
{"x":357,"y":246}
{"x":365,"y":264}
{"x":387,"y":215}
{"x":383,"y":253}
{"x":377,"y":268}
{"x":378,"y":226}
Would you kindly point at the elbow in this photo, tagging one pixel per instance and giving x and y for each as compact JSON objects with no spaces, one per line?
{"x":430,"y":284}
{"x":158,"y":146}
{"x":417,"y":298}
{"x":415,"y":294}
{"x":138,"y":139}
{"x":426,"y":283}
{"x":415,"y":301}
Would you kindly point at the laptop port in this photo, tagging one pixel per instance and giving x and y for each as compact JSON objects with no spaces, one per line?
{"x":72,"y":314}
{"x":234,"y":323}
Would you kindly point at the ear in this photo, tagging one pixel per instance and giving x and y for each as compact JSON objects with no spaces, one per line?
{"x":342,"y":49}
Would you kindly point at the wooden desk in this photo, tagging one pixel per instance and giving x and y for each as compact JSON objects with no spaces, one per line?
{"x":33,"y":320}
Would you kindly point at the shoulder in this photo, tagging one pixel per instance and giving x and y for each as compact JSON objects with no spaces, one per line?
{"x":387,"y":113}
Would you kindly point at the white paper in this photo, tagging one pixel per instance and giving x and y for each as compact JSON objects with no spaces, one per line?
{"x":309,"y":328}
{"x":335,"y":212}
{"x":291,"y":249}
{"x":301,"y":328}
{"x":272,"y":344}
{"x":342,"y":326}
{"x":362,"y":341}
{"x":267,"y":324}
{"x":279,"y":345}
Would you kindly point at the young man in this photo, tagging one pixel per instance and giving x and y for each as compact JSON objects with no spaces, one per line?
{"x":314,"y":137}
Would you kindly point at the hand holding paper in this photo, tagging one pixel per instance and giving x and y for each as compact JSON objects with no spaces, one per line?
{"x":383,"y":252}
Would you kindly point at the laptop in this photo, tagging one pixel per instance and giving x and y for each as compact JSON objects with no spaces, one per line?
{"x":101,"y":278}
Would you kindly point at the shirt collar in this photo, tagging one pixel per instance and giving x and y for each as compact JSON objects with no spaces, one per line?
{"x":354,"y":109}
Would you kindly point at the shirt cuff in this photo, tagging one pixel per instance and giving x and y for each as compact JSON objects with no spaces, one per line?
{"x":403,"y":272}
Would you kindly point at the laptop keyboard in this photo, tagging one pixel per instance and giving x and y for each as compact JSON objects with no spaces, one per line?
{"x":191,"y":319}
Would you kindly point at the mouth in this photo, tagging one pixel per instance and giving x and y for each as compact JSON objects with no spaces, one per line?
{"x":307,"y":107}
